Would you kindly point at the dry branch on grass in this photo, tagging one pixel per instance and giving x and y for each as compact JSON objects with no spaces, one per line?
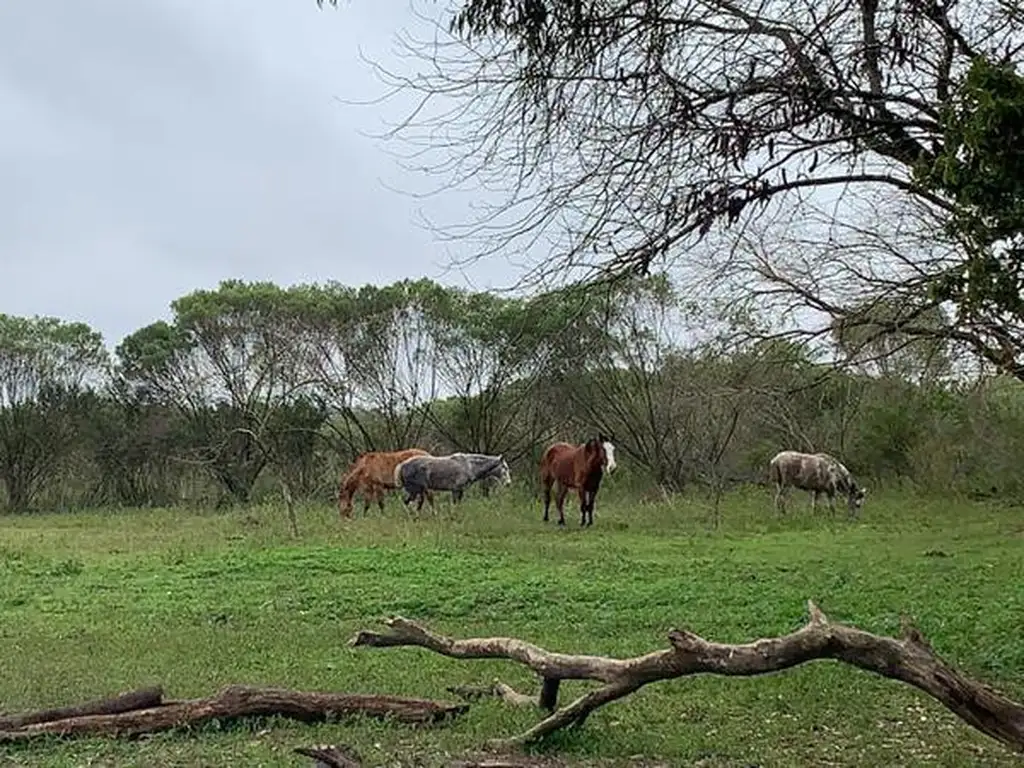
{"x":508,"y":762}
{"x":908,"y":658}
{"x":123,"y":702}
{"x":330,"y":756}
{"x":343,"y":756}
{"x":146,"y":712}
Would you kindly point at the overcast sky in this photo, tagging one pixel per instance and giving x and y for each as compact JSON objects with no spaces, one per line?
{"x":151,"y":148}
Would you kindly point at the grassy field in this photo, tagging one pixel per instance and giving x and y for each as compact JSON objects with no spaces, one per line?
{"x":92,"y":604}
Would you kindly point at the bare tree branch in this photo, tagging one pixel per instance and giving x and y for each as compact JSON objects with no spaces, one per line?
{"x":622,"y":136}
{"x":909,"y":659}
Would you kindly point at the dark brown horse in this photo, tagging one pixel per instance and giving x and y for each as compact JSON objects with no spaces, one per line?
{"x":576,"y":466}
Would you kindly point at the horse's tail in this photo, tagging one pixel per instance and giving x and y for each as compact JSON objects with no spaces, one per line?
{"x":396,"y":476}
{"x":546,"y":474}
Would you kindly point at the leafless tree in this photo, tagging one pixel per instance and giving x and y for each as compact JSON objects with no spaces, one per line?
{"x":858,"y":286}
{"x":606,"y":137}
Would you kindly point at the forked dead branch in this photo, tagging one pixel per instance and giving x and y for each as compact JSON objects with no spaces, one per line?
{"x":908,"y":658}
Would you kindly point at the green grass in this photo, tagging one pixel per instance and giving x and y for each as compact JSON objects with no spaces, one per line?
{"x":92,"y":604}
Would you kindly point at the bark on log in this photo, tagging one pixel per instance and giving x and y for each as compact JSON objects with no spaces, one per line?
{"x":908,"y":658}
{"x":508,"y":762}
{"x":329,"y":756}
{"x":123,"y":702}
{"x":549,"y":693}
{"x":241,"y":701}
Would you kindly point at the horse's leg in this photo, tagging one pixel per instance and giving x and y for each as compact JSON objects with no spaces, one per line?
{"x":591,"y":499}
{"x":563,"y":491}
{"x":457,"y":495}
{"x":547,"y":483}
{"x":344,"y":504}
{"x":583,"y":505}
{"x":780,"y":506}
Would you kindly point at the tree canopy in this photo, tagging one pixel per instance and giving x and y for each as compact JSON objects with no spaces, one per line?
{"x":812,"y":156}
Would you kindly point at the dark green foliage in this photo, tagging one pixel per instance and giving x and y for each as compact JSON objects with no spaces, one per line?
{"x":293,"y":436}
{"x":44,"y":366}
{"x":981,"y":167}
{"x":37,"y":436}
{"x":132,"y":442}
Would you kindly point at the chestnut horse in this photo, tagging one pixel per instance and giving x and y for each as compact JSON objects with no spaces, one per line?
{"x":576,"y":466}
{"x":371,"y":474}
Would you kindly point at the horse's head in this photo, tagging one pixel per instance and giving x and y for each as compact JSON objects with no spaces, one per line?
{"x":608,"y":447}
{"x":502,"y":472}
{"x":855,"y":500}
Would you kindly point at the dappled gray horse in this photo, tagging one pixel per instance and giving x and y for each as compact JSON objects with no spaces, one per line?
{"x":817,"y":473}
{"x":448,"y":473}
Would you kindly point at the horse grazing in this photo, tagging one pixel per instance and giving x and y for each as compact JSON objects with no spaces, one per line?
{"x":576,"y":466}
{"x":421,"y":474}
{"x":371,"y":474}
{"x":817,"y":473}
{"x":488,"y":483}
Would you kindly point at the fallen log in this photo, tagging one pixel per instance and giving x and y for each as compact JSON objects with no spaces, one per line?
{"x":239,"y":701}
{"x":909,"y":659}
{"x":508,"y":761}
{"x":330,"y":756}
{"x":123,"y":702}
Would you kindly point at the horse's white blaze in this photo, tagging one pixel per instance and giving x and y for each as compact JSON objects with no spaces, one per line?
{"x":609,"y":451}
{"x":506,"y":475}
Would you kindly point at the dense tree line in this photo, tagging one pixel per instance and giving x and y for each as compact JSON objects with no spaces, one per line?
{"x":252,"y":387}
